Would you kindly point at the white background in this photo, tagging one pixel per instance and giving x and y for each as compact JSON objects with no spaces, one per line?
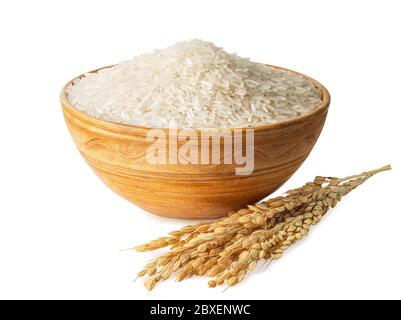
{"x":61,"y":229}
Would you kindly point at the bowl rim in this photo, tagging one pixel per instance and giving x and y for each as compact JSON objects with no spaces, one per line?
{"x":128,"y":128}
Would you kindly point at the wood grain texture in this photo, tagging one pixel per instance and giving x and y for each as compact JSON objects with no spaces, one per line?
{"x":117,"y":154}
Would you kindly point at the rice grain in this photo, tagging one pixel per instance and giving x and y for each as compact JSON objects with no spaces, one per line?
{"x":193,"y":85}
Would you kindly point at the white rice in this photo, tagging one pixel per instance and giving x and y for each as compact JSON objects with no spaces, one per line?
{"x":193,"y":84}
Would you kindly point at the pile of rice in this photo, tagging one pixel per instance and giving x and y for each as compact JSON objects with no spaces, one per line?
{"x":193,"y":84}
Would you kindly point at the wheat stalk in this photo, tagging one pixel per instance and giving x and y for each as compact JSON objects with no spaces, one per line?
{"x":228,"y":249}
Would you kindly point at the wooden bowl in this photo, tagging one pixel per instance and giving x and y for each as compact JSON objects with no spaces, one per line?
{"x":117,"y":154}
